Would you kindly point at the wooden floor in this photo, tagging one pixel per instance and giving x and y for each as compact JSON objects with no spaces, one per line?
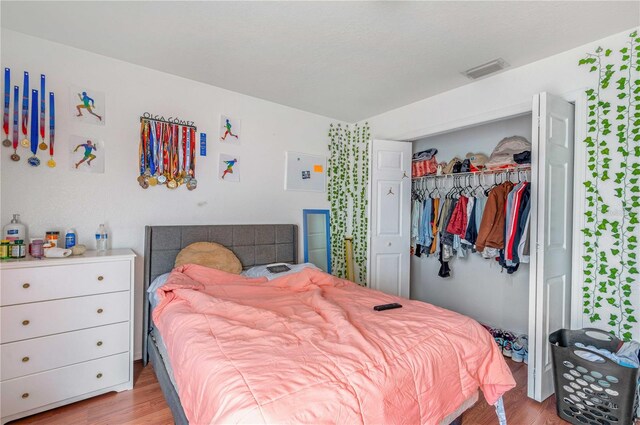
{"x":145,"y":405}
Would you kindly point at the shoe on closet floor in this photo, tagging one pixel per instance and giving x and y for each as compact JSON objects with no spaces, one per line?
{"x":519,"y":349}
{"x":498,"y":335}
{"x":507,"y":344}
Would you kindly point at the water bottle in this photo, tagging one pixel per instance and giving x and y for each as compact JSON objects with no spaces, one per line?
{"x":101,"y":238}
{"x":70,"y":238}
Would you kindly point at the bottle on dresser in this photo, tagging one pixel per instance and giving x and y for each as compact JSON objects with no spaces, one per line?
{"x":14,"y":230}
{"x":101,"y":238}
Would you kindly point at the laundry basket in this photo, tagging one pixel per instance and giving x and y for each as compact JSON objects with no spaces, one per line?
{"x":594,"y":391}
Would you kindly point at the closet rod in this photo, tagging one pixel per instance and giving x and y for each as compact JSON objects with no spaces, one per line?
{"x":496,"y":171}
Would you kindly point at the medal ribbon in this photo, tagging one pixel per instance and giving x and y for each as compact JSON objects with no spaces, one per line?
{"x":52,"y":122}
{"x":165,"y":149}
{"x":7,"y":99}
{"x":16,"y":96}
{"x":182,"y":148}
{"x":176,"y":156}
{"x":160,"y":164}
{"x":152,"y":140}
{"x":34,"y":121}
{"x":25,"y":104}
{"x":187,"y":154}
{"x":42,"y":105}
{"x":192,"y":170}
{"x":143,"y":126}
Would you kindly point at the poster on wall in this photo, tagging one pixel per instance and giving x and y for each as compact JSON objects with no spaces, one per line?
{"x":230,"y":130}
{"x":229,"y":168}
{"x":87,"y":106}
{"x":86,"y":154}
{"x":305,"y":172}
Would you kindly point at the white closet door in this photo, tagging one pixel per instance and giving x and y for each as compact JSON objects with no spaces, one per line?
{"x":551,"y":227}
{"x":390,"y":190}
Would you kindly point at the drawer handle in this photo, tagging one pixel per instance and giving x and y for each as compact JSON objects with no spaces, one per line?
{"x":25,"y":359}
{"x":99,"y":343}
{"x":26,"y":285}
{"x":99,"y":375}
{"x":25,"y":395}
{"x":100,"y":311}
{"x":25,"y":322}
{"x":100,"y":278}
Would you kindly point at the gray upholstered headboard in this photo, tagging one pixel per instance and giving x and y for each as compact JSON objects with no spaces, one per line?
{"x":254,"y":245}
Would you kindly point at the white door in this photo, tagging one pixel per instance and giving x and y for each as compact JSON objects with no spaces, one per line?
{"x":390,"y":206}
{"x":551,"y":227}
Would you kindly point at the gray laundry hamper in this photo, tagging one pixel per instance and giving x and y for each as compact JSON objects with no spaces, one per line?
{"x":597,"y":391}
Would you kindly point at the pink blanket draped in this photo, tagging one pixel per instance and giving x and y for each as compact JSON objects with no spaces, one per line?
{"x":309,"y":348}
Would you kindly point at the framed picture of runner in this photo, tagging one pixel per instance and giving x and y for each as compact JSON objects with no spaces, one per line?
{"x":230,"y":130}
{"x":86,"y":154}
{"x":87,"y":105}
{"x":229,"y":168}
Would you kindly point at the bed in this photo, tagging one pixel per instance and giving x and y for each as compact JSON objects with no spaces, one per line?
{"x":254,"y":245}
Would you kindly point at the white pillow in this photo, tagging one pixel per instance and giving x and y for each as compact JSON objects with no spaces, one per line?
{"x":261,"y":271}
{"x":157,"y":283}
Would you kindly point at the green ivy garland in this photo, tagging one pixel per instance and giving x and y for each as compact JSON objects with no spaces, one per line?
{"x":611,"y":209}
{"x":348,"y":174}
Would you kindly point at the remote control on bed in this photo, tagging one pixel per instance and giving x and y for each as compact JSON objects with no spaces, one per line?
{"x":386,"y":306}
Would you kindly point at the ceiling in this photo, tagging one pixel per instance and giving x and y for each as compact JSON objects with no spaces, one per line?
{"x":345,"y":60}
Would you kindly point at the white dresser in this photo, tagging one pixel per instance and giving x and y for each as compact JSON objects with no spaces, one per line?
{"x":66,"y":330}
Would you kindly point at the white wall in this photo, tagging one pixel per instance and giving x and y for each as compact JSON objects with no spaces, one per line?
{"x":54,"y":199}
{"x":477,"y":287}
{"x":491,"y":97}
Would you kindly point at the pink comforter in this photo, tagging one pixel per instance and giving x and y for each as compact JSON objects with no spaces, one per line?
{"x":309,"y":348}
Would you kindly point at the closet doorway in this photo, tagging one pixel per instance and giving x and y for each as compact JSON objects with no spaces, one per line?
{"x":536,"y":299}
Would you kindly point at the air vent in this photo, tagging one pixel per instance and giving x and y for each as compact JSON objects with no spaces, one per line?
{"x":485,"y":69}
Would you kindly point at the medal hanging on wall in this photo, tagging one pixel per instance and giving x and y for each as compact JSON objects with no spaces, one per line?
{"x":153,"y":138}
{"x":144,"y":126}
{"x":52,"y":128}
{"x":192,"y":183}
{"x":25,"y":110}
{"x":5,"y":113}
{"x":166,"y":154}
{"x":33,"y":160}
{"x":16,"y":96}
{"x":43,"y":145}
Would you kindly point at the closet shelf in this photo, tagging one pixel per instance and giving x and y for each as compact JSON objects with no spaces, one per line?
{"x":483,"y":172}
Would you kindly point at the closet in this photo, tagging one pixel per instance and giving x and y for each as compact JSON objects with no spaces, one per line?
{"x":477,"y":287}
{"x":535,"y":299}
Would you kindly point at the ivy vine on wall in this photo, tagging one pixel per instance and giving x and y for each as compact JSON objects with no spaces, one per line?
{"x":611,"y":230}
{"x":348,"y":181}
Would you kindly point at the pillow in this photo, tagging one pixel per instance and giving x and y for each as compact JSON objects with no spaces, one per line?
{"x":261,"y":271}
{"x":157,"y":283}
{"x":211,"y":255}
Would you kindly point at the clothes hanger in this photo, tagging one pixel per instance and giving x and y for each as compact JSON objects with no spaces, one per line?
{"x":468,"y":188}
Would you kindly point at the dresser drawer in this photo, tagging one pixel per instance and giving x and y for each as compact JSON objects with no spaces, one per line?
{"x":25,"y":285}
{"x":55,"y":385}
{"x":50,"y":352}
{"x":26,"y":321}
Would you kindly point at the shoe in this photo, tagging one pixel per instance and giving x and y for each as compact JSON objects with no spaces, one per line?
{"x":520,"y":349}
{"x":507,"y":343}
{"x":498,"y":335}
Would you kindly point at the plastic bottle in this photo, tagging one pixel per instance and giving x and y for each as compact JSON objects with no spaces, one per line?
{"x":101,"y":238}
{"x":15,"y":230}
{"x":5,"y":249}
{"x":70,"y":238}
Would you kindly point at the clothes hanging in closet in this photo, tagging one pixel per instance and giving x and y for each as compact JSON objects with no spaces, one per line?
{"x":491,"y":230}
{"x":494,"y":223}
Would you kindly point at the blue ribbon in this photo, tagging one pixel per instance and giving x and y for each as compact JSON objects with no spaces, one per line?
{"x":34,"y":121}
